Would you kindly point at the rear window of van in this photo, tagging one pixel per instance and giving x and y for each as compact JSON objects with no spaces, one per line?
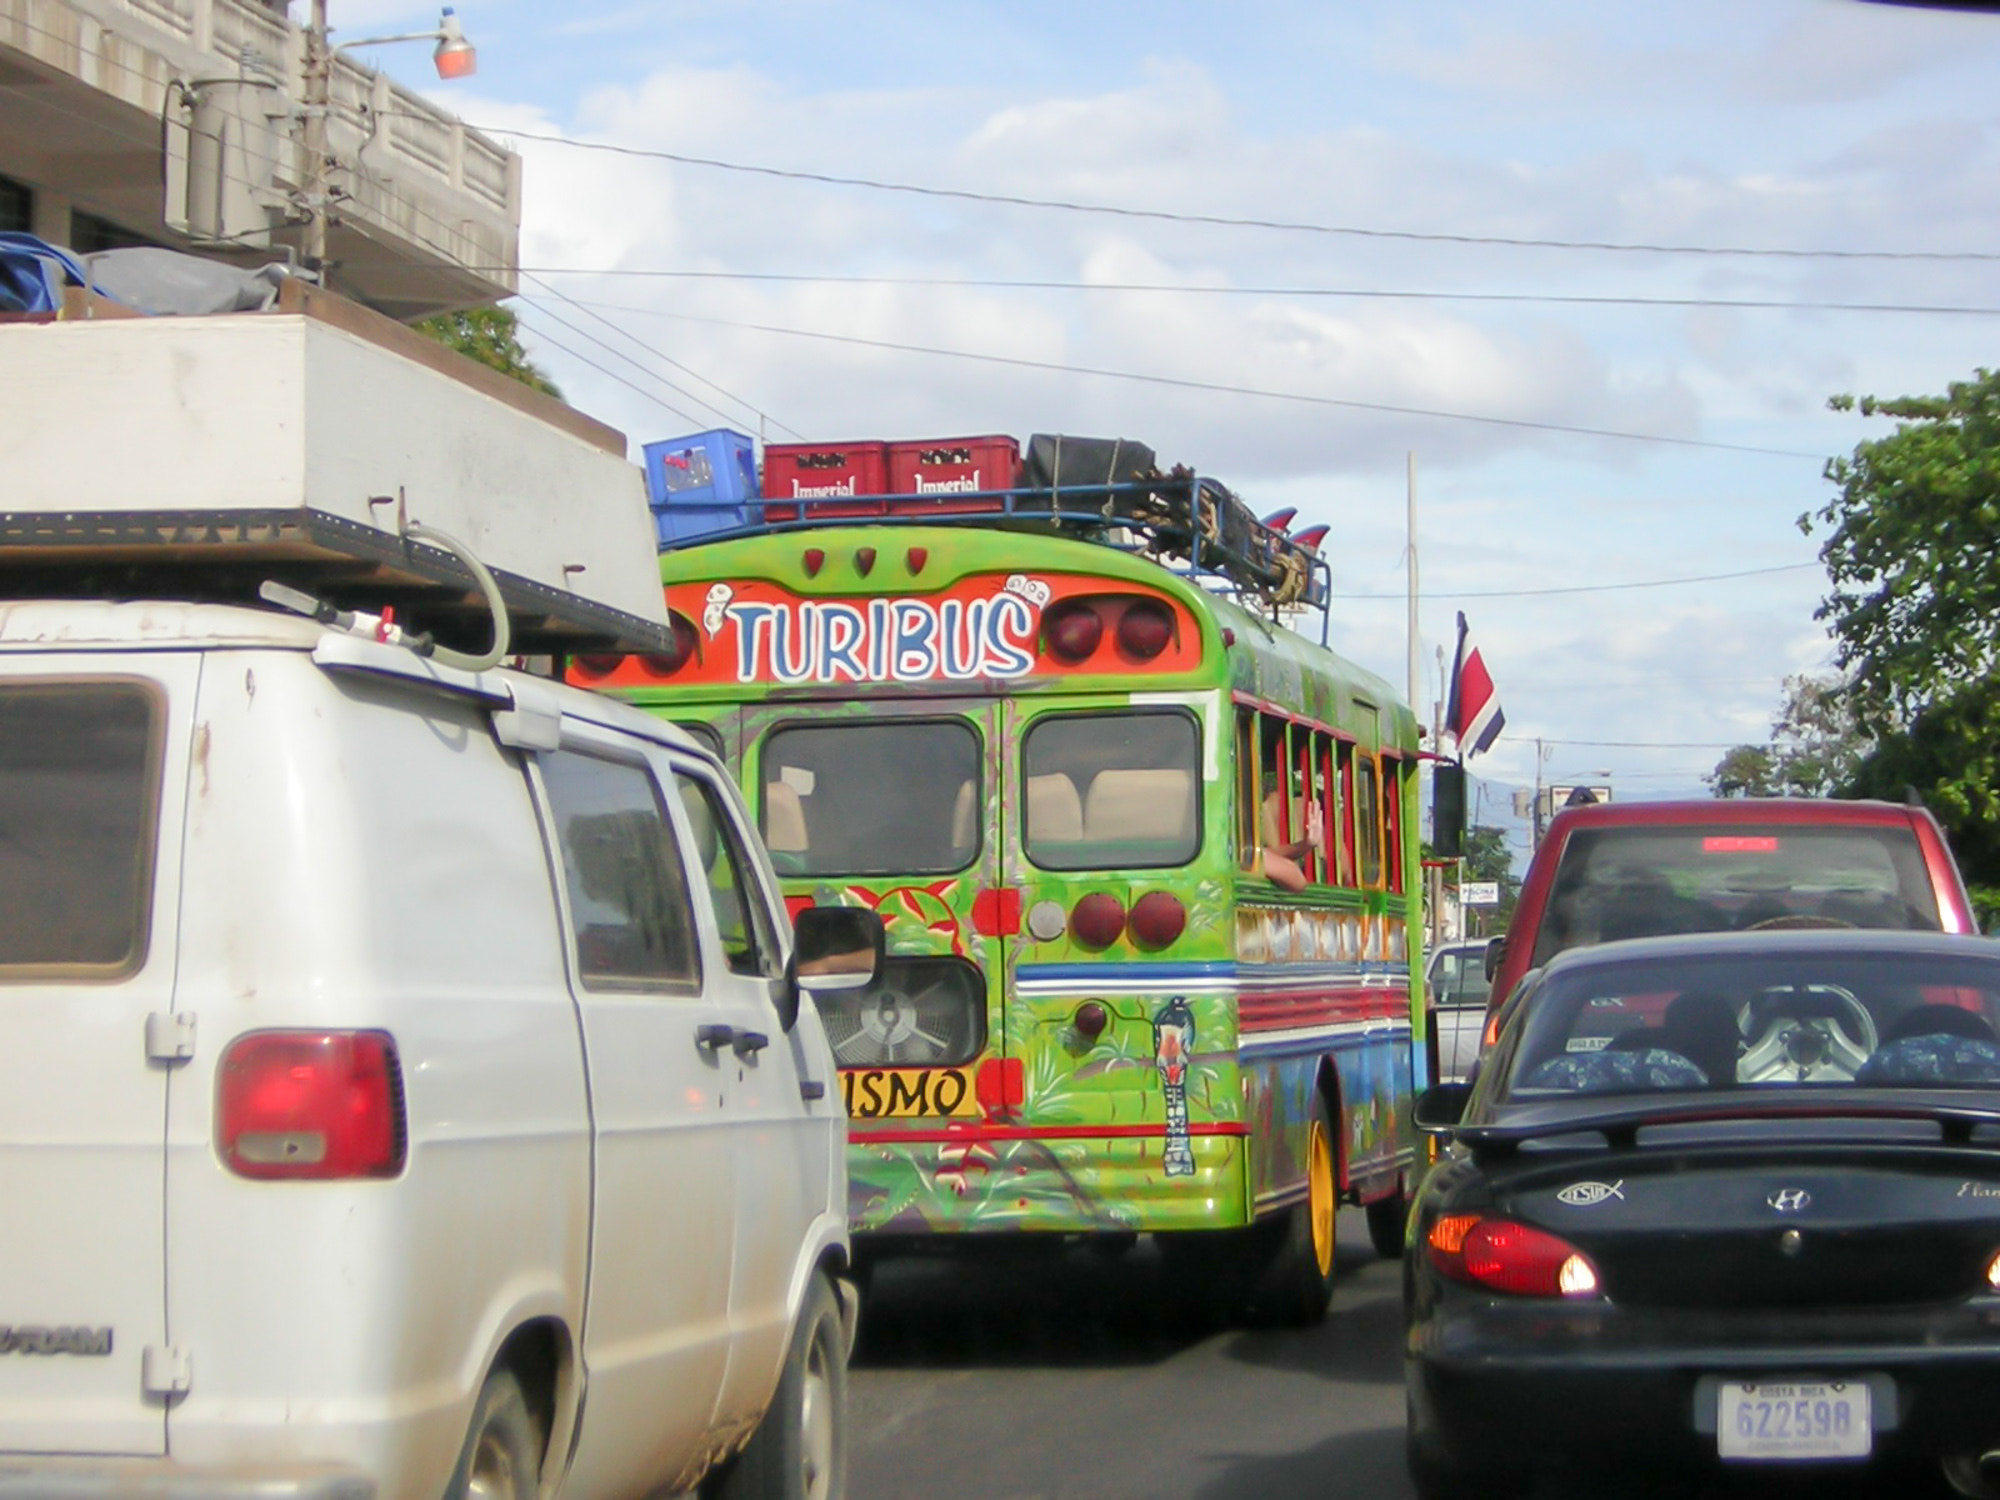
{"x":79,"y":776}
{"x":1654,"y":881}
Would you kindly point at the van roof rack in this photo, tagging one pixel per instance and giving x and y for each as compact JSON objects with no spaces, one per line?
{"x":198,"y":457}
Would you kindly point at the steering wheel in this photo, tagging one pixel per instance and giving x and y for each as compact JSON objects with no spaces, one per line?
{"x":1805,"y":1033}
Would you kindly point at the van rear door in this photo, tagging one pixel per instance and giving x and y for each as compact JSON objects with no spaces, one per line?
{"x":93,"y":771}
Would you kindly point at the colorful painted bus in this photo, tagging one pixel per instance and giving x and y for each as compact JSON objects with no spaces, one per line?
{"x":1148,"y":863}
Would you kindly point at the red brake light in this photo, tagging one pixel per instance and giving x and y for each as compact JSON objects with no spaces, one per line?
{"x":1097,"y":920}
{"x":1145,"y":629}
{"x":598,"y":665}
{"x":318,"y":1104}
{"x":1073,"y":630}
{"x":1157,"y":919}
{"x":1739,"y":843}
{"x":1091,"y":1019}
{"x":1506,"y":1257}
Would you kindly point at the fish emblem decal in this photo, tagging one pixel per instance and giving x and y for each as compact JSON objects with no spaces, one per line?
{"x":1589,"y":1194}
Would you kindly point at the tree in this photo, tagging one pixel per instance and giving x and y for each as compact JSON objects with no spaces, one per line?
{"x":1913,"y":553}
{"x":1487,"y":857}
{"x":491,"y":335}
{"x":1816,"y":746}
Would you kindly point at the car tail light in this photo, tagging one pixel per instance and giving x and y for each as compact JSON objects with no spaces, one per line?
{"x":1073,"y":630}
{"x":598,"y":664}
{"x":1507,"y":1257}
{"x":1993,"y":1271}
{"x":317,"y":1104}
{"x":1145,"y":629}
{"x":1097,"y":920}
{"x":1157,"y":919}
{"x":666,"y":663}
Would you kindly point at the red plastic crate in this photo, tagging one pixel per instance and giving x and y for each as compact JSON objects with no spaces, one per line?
{"x":938,"y":472}
{"x":821,"y":474}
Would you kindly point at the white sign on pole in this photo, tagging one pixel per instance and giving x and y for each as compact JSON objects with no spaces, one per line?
{"x":1480,"y":892}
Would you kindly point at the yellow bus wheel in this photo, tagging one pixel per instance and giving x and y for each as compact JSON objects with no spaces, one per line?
{"x":1294,"y":1285}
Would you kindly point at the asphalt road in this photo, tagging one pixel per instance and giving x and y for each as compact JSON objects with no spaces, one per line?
{"x":1059,"y":1376}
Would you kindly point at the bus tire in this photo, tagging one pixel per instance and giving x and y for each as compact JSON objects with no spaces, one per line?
{"x":1386,"y":1220}
{"x":1294,"y":1285}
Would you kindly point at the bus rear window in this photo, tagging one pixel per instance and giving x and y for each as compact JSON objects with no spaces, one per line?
{"x":1112,"y":791}
{"x":79,"y":769}
{"x":874,"y":798}
{"x":1658,"y":880}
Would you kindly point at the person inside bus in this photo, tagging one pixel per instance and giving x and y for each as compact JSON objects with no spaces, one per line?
{"x":1282,"y":856}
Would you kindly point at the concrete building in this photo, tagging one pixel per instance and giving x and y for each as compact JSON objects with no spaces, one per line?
{"x":183,"y":123}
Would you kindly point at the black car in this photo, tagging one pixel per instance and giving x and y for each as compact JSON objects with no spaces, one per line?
{"x":1727,"y":1201}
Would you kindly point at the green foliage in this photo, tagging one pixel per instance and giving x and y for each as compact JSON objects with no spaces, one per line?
{"x":1815,"y":750}
{"x":1913,"y":553}
{"x":491,"y":335}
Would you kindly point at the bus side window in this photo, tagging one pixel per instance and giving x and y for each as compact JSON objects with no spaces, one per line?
{"x":1348,"y":867}
{"x":1392,"y":822}
{"x":1368,"y":819}
{"x":1249,"y":794}
{"x":1325,"y":769}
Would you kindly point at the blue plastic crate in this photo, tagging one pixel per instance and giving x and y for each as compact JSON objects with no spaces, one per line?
{"x":700,"y":483}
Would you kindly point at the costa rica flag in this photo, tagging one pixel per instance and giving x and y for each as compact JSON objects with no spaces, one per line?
{"x":1472,"y":713}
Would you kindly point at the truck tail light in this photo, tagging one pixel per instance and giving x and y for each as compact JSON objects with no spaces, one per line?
{"x":311,"y":1104}
{"x":1507,"y":1257}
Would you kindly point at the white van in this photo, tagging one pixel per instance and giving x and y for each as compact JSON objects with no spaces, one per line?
{"x":408,"y":1090}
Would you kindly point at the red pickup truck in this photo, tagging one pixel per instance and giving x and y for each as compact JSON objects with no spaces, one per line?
{"x":1645,"y":869}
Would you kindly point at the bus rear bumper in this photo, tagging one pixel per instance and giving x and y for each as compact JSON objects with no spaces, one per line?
{"x":1060,"y":1181}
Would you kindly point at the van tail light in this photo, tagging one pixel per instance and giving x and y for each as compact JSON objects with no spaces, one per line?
{"x":1507,"y":1257}
{"x":311,"y":1104}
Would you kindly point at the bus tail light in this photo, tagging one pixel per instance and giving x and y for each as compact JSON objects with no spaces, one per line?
{"x":597,"y":664}
{"x":1098,"y":920}
{"x":1145,"y":629}
{"x":1091,"y":1019}
{"x":1506,"y":1257}
{"x":679,"y":654}
{"x":311,"y":1104}
{"x":1157,"y":919}
{"x":1073,"y":630}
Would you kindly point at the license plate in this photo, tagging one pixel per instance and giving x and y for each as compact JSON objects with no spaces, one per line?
{"x":903,"y":1093}
{"x":1794,"y":1419}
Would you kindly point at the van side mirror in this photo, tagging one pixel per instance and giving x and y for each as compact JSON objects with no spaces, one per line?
{"x":834,"y":948}
{"x":1496,"y":954}
{"x":1440,"y":1107}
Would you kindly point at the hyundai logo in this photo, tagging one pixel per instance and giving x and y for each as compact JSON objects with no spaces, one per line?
{"x":1789,"y":1200}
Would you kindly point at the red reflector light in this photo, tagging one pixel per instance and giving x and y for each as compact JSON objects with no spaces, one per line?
{"x":1145,"y":629}
{"x":1157,"y":919}
{"x":814,"y":558}
{"x":597,"y":665}
{"x":1073,"y":630}
{"x":1091,"y":1019}
{"x":666,"y":663}
{"x":1739,"y":843}
{"x":1507,"y":1257}
{"x":1097,"y":920}
{"x":313,"y":1104}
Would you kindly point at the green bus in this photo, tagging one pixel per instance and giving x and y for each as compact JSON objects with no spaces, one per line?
{"x":1147,"y":860}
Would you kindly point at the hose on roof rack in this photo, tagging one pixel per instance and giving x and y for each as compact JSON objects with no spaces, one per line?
{"x":502,"y":631}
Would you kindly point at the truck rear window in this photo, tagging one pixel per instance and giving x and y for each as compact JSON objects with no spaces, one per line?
{"x":1654,"y":881}
{"x":79,"y":780}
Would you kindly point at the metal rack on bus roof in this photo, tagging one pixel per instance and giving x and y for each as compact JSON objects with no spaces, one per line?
{"x":1193,"y":526}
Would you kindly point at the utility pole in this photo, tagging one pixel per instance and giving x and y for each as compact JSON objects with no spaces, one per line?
{"x":319,"y":97}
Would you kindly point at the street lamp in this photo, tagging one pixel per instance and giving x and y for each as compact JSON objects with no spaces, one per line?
{"x":454,"y":57}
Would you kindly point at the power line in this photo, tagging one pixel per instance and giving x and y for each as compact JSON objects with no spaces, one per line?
{"x":1595,"y":588}
{"x":584,"y":359}
{"x":618,"y":353}
{"x":1227,"y":221}
{"x":1363,"y":294}
{"x":763,"y":416}
{"x":1218,"y":387}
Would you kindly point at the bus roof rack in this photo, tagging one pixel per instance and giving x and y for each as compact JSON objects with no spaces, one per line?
{"x":1186,"y":522}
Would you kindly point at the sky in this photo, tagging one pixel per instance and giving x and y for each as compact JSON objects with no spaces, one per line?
{"x":1590,"y":272}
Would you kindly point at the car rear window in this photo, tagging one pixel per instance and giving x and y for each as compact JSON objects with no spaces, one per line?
{"x":79,"y":779}
{"x":1649,"y":882}
{"x":1817,"y":1017}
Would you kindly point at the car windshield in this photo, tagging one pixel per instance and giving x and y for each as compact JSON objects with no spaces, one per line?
{"x":1654,"y":881}
{"x":1763,"y":1019}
